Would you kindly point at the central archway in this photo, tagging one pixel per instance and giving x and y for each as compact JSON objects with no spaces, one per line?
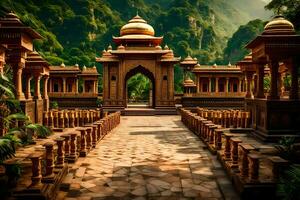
{"x":142,"y":70}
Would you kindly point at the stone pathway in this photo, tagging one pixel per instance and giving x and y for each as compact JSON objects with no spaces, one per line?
{"x":151,"y":157}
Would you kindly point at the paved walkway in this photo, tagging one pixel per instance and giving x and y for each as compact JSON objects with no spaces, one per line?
{"x":151,"y":157}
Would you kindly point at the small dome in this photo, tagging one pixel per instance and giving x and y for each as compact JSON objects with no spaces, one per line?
{"x":76,"y":65}
{"x":137,"y":26}
{"x":166,"y":47}
{"x":279,"y":26}
{"x":121,"y":47}
{"x":158,"y":47}
{"x":62,"y":64}
{"x":197,"y":66}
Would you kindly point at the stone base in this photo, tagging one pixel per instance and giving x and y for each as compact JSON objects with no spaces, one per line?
{"x":42,"y":191}
{"x":214,"y":102}
{"x":254,"y":190}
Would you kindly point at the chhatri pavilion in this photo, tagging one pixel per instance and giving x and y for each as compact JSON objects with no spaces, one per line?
{"x":138,"y":51}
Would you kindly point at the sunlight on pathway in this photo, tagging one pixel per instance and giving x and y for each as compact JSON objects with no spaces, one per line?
{"x":153,"y":157}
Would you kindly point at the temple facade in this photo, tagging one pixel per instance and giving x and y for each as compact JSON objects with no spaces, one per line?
{"x":64,"y":87}
{"x":138,"y":51}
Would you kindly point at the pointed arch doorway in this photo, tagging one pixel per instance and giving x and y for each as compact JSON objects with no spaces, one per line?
{"x":148,"y":74}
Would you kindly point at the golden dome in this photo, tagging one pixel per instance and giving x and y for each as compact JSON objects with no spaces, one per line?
{"x":137,"y":26}
{"x":279,"y":26}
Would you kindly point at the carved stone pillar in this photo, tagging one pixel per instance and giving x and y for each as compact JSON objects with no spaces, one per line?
{"x":18,"y":81}
{"x":66,"y":118}
{"x":209,"y":84}
{"x":61,"y":119}
{"x":49,"y":175}
{"x":28,"y":92}
{"x":64,"y":85}
{"x":217,"y":84}
{"x":72,"y":119}
{"x":55,"y":119}
{"x":218,"y":139}
{"x":274,"y":66}
{"x":37,"y":89}
{"x":260,"y":81}
{"x":45,"y":119}
{"x":227,"y":85}
{"x":45,"y":88}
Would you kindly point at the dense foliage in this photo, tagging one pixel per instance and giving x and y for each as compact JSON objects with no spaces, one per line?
{"x":75,"y":31}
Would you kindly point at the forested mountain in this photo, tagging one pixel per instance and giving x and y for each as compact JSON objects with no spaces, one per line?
{"x":75,"y":31}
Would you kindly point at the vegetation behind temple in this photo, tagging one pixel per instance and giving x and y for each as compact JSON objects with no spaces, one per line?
{"x":75,"y":31}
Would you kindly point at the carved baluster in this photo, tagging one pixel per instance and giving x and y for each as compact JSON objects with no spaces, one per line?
{"x":67,"y":146}
{"x":61,"y":120}
{"x":49,"y":175}
{"x":94,"y":135}
{"x":55,"y":119}
{"x":227,"y":150}
{"x":234,"y":152}
{"x":51,"y":120}
{"x":244,"y":167}
{"x":36,"y":169}
{"x":60,"y":153}
{"x":218,"y":139}
{"x":73,"y":149}
{"x":253,"y":159}
{"x":45,"y":119}
{"x":83,"y":142}
{"x":66,"y":119}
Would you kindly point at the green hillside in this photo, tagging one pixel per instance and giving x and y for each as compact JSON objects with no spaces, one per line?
{"x":75,"y":31}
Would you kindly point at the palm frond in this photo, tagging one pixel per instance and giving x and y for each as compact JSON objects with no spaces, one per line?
{"x":7,"y":150}
{"x":41,"y":131}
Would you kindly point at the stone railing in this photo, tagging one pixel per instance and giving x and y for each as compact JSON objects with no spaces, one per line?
{"x":51,"y":165}
{"x":218,"y":94}
{"x":70,"y":118}
{"x":249,"y":163}
{"x":72,"y":94}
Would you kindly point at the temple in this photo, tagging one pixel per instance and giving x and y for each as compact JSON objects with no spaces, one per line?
{"x":138,"y":51}
{"x":64,"y":86}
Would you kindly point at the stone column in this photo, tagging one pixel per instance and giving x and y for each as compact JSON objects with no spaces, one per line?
{"x":274,"y":66}
{"x":82,"y":152}
{"x":209,"y":84}
{"x":240,"y":85}
{"x":18,"y":81}
{"x":248,"y":85}
{"x":227,"y":85}
{"x":217,"y":84}
{"x":260,"y":81}
{"x":37,"y":89}
{"x":234,"y":151}
{"x":28,"y":93}
{"x":64,"y":85}
{"x":294,"y":74}
{"x":45,"y":89}
{"x":76,"y":87}
{"x":97,"y":87}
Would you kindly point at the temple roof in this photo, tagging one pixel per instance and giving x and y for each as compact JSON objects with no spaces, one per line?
{"x":217,"y":69}
{"x":189,"y":61}
{"x":64,"y":69}
{"x":137,"y":30}
{"x":11,"y":22}
{"x":34,"y":59}
{"x":189,"y":83}
{"x":279,"y":26}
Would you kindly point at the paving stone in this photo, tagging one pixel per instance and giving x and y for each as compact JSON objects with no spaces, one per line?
{"x":151,"y":157}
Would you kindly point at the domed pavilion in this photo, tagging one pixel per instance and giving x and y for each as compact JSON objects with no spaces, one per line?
{"x":138,"y":50}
